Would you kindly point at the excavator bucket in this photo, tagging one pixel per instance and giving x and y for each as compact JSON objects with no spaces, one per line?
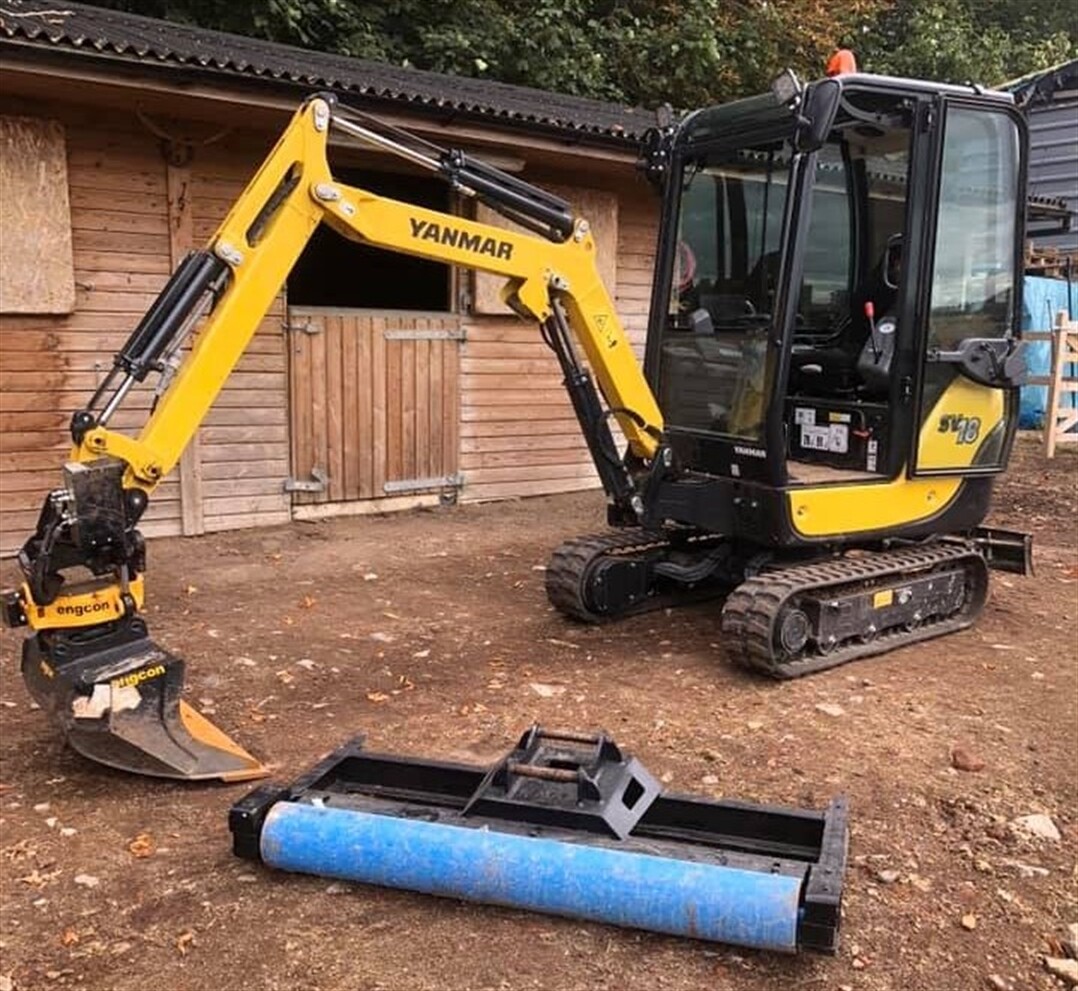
{"x":115,"y":694}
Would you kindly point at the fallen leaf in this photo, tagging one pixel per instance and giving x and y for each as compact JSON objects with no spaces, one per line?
{"x":87,"y":880}
{"x":183,"y":941}
{"x":69,"y":938}
{"x":420,"y":654}
{"x":377,"y":696}
{"x":308,"y":602}
{"x":35,"y":879}
{"x":142,"y":846}
{"x":190,"y":589}
{"x":546,"y":691}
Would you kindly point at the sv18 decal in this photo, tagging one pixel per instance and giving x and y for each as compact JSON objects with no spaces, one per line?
{"x":966,"y":428}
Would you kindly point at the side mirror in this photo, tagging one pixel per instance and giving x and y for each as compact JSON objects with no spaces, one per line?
{"x":817,"y":114}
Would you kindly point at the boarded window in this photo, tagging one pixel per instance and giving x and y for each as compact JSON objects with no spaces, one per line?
{"x":599,"y":208}
{"x":334,"y":271}
{"x":37,"y":274}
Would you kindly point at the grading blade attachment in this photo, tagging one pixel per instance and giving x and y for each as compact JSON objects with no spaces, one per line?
{"x":115,"y":694}
{"x":565,"y":823}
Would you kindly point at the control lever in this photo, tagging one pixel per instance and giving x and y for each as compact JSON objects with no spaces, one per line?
{"x":870,"y":316}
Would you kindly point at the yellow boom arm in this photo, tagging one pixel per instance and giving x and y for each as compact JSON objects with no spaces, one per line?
{"x":262,"y":237}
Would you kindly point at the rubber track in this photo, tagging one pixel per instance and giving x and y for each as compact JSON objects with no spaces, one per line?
{"x":752,"y":610}
{"x":567,"y":571}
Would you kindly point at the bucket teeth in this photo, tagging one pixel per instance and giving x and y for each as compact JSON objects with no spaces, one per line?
{"x":116,"y":696}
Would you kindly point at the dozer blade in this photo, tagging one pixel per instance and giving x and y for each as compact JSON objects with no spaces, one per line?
{"x":115,"y":695}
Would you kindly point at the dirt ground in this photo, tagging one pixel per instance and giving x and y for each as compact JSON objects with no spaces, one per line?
{"x":430,"y":633}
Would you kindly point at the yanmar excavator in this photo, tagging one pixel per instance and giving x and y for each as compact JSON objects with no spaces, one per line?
{"x":828,"y":391}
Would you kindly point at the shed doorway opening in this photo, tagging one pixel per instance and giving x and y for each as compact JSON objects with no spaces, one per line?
{"x":336,"y":272}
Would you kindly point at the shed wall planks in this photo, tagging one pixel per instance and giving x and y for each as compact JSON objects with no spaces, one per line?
{"x":519,"y":433}
{"x":49,"y":365}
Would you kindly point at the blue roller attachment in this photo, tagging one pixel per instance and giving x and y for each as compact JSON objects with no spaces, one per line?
{"x":565,"y":823}
{"x":705,"y":901}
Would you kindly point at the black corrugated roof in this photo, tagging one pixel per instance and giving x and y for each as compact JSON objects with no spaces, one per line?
{"x":84,"y":31}
{"x":1040,"y":85}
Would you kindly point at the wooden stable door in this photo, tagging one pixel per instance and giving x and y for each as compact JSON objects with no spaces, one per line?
{"x":375,"y":404}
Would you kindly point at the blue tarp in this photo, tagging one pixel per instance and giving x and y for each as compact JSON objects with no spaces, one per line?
{"x":1042,"y":299}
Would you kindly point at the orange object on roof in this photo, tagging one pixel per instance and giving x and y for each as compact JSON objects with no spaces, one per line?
{"x":841,"y":62}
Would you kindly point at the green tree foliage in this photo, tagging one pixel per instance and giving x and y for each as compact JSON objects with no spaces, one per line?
{"x":980,"y":41}
{"x":685,"y":52}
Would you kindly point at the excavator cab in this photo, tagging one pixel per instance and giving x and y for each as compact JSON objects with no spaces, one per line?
{"x":835,"y":301}
{"x":832,"y":344}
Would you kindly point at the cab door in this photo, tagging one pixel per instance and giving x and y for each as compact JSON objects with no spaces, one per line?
{"x":973,"y":298}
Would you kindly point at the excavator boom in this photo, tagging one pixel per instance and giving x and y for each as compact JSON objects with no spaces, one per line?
{"x":90,"y":661}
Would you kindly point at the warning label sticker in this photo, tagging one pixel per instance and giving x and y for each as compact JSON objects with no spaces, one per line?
{"x":834,"y":438}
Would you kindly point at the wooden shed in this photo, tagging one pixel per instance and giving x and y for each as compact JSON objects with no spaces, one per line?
{"x":376,"y":381}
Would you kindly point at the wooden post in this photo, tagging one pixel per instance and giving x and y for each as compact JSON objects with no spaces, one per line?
{"x":1060,"y":418}
{"x":178,"y":156}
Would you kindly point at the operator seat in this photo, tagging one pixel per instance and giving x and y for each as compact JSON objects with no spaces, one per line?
{"x":857,"y":364}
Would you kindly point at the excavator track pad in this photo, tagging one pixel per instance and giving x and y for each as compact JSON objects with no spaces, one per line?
{"x":785,"y":620}
{"x":794,"y":621}
{"x":115,"y":695}
{"x":607,"y":576}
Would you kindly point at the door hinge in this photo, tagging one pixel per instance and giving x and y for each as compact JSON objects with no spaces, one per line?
{"x":456,"y":334}
{"x":316,"y":483}
{"x":419,"y":484}
{"x":307,"y":327}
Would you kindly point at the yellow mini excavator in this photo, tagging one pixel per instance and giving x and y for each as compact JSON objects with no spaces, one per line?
{"x":828,"y":391}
